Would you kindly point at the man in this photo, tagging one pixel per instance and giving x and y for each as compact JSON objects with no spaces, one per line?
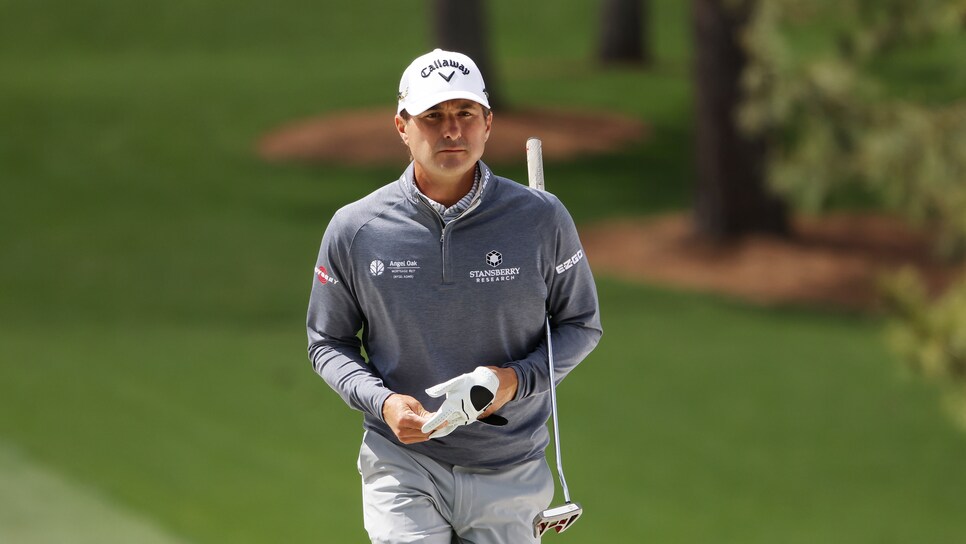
{"x":449,"y":272}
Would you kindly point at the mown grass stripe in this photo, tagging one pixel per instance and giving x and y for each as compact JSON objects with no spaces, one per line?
{"x":40,"y":506}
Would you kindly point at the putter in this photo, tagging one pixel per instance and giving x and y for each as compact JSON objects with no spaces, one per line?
{"x":559,"y":518}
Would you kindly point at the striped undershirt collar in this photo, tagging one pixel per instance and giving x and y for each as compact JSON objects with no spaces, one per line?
{"x":452,"y":212}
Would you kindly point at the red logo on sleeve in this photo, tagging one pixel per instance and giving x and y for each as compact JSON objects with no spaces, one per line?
{"x":324,"y":277}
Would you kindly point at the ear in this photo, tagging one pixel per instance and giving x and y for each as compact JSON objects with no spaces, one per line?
{"x":401,"y":129}
{"x":489,"y":122}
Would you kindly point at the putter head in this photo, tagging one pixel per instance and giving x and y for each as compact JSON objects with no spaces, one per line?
{"x":559,"y":519}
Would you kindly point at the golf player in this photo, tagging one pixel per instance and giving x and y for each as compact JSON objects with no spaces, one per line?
{"x":427,"y":312}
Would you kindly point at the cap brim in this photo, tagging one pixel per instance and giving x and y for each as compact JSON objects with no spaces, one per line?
{"x":416,"y":107}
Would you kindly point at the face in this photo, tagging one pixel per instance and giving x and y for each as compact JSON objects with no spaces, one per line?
{"x":447,"y":139}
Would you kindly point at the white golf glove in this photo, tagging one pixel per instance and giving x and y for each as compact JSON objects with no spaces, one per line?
{"x":467,"y":396}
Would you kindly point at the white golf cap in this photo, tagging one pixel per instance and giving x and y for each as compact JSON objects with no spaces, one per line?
{"x":439,"y":76}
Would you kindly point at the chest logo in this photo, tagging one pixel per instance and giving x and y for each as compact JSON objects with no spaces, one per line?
{"x":397,"y":269}
{"x":493,"y":259}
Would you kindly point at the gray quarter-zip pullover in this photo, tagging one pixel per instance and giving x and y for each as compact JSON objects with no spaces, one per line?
{"x":434,"y":301}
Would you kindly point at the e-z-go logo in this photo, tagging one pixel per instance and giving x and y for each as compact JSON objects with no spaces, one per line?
{"x":569,"y":263}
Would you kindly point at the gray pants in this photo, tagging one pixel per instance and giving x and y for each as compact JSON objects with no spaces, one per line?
{"x":408,"y":497}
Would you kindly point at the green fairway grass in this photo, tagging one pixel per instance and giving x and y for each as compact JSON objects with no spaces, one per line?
{"x":745,"y":425}
{"x":155,"y":274}
{"x":40,"y":507}
{"x":695,"y":420}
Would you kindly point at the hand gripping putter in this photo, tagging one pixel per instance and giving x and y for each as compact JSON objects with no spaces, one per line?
{"x":559,"y":518}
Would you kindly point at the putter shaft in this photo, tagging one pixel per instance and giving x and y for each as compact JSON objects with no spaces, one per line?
{"x":556,"y":424}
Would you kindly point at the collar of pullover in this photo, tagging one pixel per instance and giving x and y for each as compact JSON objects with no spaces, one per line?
{"x":408,"y":182}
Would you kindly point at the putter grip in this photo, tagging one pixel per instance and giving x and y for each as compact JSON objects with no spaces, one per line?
{"x":535,"y":164}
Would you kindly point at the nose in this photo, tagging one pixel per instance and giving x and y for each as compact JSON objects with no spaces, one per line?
{"x":451,"y":128}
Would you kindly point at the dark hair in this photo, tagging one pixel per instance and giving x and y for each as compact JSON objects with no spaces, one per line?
{"x":406,"y":117}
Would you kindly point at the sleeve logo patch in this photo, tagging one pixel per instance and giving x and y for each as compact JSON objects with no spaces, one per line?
{"x":324,"y":277}
{"x":569,"y":263}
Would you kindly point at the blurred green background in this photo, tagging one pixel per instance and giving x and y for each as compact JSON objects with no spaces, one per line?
{"x":154,"y":385}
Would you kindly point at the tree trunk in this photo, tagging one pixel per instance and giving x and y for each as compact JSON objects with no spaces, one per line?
{"x":731,"y":197}
{"x":623,"y":32}
{"x":461,"y":26}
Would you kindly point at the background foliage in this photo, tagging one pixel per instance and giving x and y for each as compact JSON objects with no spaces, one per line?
{"x":879,"y":107}
{"x":823,"y":96}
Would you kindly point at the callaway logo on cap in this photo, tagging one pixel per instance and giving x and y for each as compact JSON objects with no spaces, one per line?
{"x":437,"y":77}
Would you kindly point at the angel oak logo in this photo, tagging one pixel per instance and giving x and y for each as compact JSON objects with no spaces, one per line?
{"x":399,"y":269}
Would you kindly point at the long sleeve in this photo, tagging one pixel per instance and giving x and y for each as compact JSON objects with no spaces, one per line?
{"x":333,"y":321}
{"x":573,"y":308}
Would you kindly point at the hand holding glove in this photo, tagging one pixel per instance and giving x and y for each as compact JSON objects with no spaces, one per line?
{"x":467,"y":396}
